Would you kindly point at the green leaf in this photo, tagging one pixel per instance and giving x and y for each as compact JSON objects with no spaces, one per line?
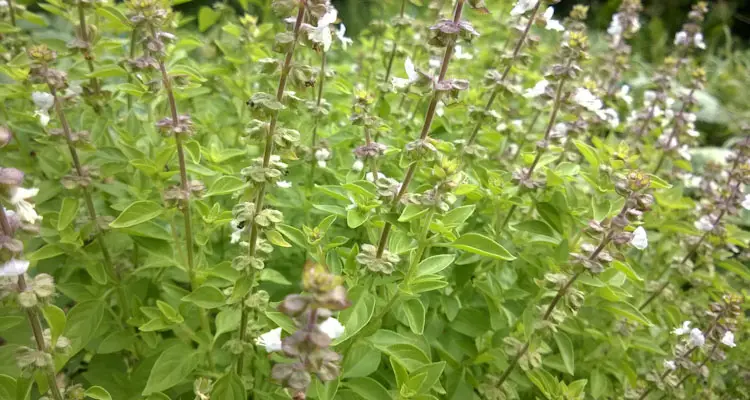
{"x":9,"y":322}
{"x":271,"y":275}
{"x":137,"y":213}
{"x":415,"y":314}
{"x":628,"y":311}
{"x":326,"y":390}
{"x":229,"y":387}
{"x":367,"y":388}
{"x":207,"y":17}
{"x":83,"y":322}
{"x":482,"y":245}
{"x":172,"y":367}
{"x":228,"y":320}
{"x":543,"y":380}
{"x":206,"y":297}
{"x":362,"y":360}
{"x":627,"y":270}
{"x":431,"y":373}
{"x":56,"y":320}
{"x":98,"y":393}
{"x":169,"y":312}
{"x":47,"y":251}
{"x":356,"y":217}
{"x":589,"y":153}
{"x":536,"y":227}
{"x":435,"y":264}
{"x":113,"y":14}
{"x":116,"y":341}
{"x":458,"y":216}
{"x":411,"y":211}
{"x":7,"y":387}
{"x":566,"y":351}
{"x":295,"y":235}
{"x":658,"y":183}
{"x":736,"y":268}
{"x":356,"y":317}
{"x":226,"y":185}
{"x":68,"y":211}
{"x":107,"y":71}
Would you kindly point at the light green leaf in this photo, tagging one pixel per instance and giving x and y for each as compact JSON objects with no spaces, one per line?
{"x":56,"y":320}
{"x":628,"y":311}
{"x":295,"y":235}
{"x":458,"y":216}
{"x":435,"y":264}
{"x":207,"y":17}
{"x":362,"y":360}
{"x":98,"y":393}
{"x":206,"y":297}
{"x":588,"y":152}
{"x":137,"y":213}
{"x":367,"y":388}
{"x":415,"y":314}
{"x":566,"y":351}
{"x":627,"y":270}
{"x":47,"y":251}
{"x":68,"y":211}
{"x":172,"y":367}
{"x":229,"y":387}
{"x":482,"y":245}
{"x":226,"y":185}
{"x":412,"y":211}
{"x":169,"y":312}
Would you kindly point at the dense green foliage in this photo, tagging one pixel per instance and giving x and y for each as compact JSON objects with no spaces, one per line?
{"x":473,"y":200}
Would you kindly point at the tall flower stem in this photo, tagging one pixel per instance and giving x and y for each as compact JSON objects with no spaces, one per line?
{"x":12,"y":12}
{"x":506,"y":72}
{"x":85,"y":37}
{"x":314,"y":140}
{"x":33,"y":317}
{"x":395,"y":44}
{"x":425,"y":130}
{"x":109,"y":266}
{"x":267,"y":152}
{"x":133,"y":41}
{"x":559,"y":296}
{"x":540,"y":152}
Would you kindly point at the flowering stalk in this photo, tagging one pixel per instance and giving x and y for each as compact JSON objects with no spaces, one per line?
{"x":395,"y":43}
{"x":425,"y":130}
{"x":267,"y":153}
{"x":86,"y":45}
{"x":499,"y":83}
{"x":314,"y":140}
{"x":33,"y":317}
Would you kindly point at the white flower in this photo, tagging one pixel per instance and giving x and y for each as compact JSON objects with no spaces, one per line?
{"x":236,"y":236}
{"x":670,"y":365}
{"x":704,"y":223}
{"x":43,"y":100}
{"x":43,"y":117}
{"x":3,"y":4}
{"x":369,"y":176}
{"x":610,"y":116}
{"x":685,"y":328}
{"x":624,"y":94}
{"x":586,"y":99}
{"x":322,"y":154}
{"x":537,"y":90}
{"x":639,"y":240}
{"x":25,"y":210}
{"x":459,"y":54}
{"x":517,"y":124}
{"x":411,"y":73}
{"x":698,"y":41}
{"x":440,"y":108}
{"x":332,"y":327}
{"x":522,"y":6}
{"x":322,"y":164}
{"x":684,"y":152}
{"x":681,"y":38}
{"x":560,"y":130}
{"x":358,"y":165}
{"x":284,"y":184}
{"x":345,"y":41}
{"x":746,"y":202}
{"x":271,"y":340}
{"x":322,"y":33}
{"x":615,"y":28}
{"x":14,"y":267}
{"x":728,"y":339}
{"x":696,"y":338}
{"x":552,"y":24}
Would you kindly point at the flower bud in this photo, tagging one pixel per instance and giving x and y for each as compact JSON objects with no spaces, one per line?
{"x":27,"y":299}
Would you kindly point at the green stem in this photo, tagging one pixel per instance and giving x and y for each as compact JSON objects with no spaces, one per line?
{"x":314,"y":140}
{"x":395,"y":45}
{"x":12,"y":12}
{"x":267,"y":152}
{"x":87,"y":51}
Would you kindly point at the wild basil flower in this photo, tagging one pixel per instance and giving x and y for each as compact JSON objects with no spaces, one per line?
{"x":746,"y":202}
{"x":271,"y":340}
{"x":284,"y":184}
{"x":684,"y":329}
{"x":25,"y":209}
{"x":322,"y":155}
{"x":552,"y":24}
{"x":639,"y":239}
{"x":728,"y":339}
{"x":13,"y":268}
{"x":696,"y":338}
{"x":522,"y":6}
{"x":539,"y":89}
{"x":43,"y":102}
{"x":411,"y":73}
{"x":332,"y":327}
{"x":669,"y":365}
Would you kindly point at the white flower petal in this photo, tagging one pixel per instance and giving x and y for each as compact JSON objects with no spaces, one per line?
{"x":639,"y":240}
{"x":332,"y":327}
{"x":43,"y":100}
{"x":271,"y":340}
{"x":746,"y":202}
{"x":728,"y":339}
{"x":696,"y":338}
{"x":13,"y":267}
{"x":284,"y":184}
{"x":669,"y":365}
